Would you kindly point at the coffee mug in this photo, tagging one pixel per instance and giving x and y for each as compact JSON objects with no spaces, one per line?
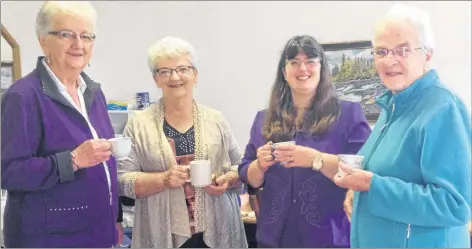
{"x":354,"y":161}
{"x":200,"y":173}
{"x":120,"y":147}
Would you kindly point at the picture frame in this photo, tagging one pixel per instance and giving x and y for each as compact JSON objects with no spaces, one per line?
{"x":15,"y":64}
{"x":354,"y":76}
{"x":6,"y":75}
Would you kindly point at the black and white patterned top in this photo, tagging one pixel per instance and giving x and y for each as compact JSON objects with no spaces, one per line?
{"x":184,"y":142}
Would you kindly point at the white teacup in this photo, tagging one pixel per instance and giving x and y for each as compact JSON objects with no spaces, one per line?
{"x":280,"y":143}
{"x":274,"y":146}
{"x":120,"y":147}
{"x":200,"y":173}
{"x":354,"y":161}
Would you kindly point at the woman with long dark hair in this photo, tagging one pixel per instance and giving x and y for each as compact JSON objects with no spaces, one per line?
{"x":300,"y":205}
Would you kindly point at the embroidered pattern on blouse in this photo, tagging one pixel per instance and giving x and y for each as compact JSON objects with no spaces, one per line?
{"x":309,"y":206}
{"x":278,"y":197}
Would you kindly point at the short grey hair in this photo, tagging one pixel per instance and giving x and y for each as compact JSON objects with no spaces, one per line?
{"x":169,"y":48}
{"x":49,"y":9}
{"x":417,"y":17}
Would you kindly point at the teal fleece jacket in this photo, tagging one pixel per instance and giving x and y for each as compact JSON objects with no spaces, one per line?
{"x":420,"y":154}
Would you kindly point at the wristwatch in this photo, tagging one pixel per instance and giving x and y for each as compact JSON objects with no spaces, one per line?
{"x":317,"y":163}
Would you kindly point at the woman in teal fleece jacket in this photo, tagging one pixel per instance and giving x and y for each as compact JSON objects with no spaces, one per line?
{"x":414,"y":188}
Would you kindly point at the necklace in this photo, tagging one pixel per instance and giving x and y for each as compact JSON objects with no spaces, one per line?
{"x":200,"y":154}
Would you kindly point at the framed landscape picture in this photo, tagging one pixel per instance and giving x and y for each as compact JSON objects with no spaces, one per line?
{"x":7,"y":75}
{"x":354,"y":76}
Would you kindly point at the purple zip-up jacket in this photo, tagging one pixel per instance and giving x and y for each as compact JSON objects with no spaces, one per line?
{"x":300,"y":207}
{"x":50,"y":205}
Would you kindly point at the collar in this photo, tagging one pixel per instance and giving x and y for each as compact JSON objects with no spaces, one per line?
{"x":52,"y":87}
{"x":62,"y":88}
{"x":409,"y":94}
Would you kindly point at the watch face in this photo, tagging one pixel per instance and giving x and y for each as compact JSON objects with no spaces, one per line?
{"x":317,"y":165}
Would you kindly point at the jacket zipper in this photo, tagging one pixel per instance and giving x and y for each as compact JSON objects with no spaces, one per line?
{"x":408,"y":234}
{"x":382,"y":132}
{"x":384,"y":128}
{"x":87,"y":123}
{"x":390,"y":119}
{"x":113,"y":244}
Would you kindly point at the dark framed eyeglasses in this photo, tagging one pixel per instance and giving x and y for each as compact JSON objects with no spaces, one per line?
{"x":398,"y":51}
{"x":181,"y":71}
{"x":69,"y":35}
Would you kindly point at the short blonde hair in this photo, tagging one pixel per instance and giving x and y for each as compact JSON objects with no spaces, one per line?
{"x":169,"y":48}
{"x":49,"y":9}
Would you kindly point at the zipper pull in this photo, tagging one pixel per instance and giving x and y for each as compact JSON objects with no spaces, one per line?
{"x":383,"y":127}
{"x":408,"y":231}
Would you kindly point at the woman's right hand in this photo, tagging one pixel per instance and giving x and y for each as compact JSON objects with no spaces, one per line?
{"x":265,"y":159}
{"x":91,"y":153}
{"x":176,"y":176}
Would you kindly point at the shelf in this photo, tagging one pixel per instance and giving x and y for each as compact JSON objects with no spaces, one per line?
{"x":122,"y":111}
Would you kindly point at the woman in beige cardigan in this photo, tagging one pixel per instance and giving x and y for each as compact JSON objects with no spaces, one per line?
{"x":169,"y":212}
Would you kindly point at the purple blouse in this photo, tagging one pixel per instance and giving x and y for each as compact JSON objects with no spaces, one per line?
{"x":300,"y":207}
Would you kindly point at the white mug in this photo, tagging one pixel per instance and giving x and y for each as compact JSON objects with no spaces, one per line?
{"x":354,"y":161}
{"x":120,"y":147}
{"x":200,"y":173}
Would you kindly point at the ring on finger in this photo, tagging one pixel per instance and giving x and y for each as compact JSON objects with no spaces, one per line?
{"x":291,"y":158}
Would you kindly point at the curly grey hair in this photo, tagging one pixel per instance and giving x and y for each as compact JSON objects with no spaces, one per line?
{"x":168,"y":48}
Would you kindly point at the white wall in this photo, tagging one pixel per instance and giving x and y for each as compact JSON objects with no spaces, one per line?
{"x":6,"y":51}
{"x":238,"y":44}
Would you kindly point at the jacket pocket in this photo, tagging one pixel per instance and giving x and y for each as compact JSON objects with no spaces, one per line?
{"x":67,"y":211}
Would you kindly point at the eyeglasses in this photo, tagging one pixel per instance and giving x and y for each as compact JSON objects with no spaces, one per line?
{"x":69,"y":35}
{"x":310,"y":63}
{"x":167,"y":72}
{"x":399,"y":51}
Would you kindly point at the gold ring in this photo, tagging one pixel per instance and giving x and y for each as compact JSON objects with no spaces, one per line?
{"x":290,"y":158}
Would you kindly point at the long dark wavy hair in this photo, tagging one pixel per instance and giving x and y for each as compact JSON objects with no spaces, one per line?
{"x":325,"y":107}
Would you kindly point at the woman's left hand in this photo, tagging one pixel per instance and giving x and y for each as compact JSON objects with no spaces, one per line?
{"x":220,"y":186}
{"x":291,"y":155}
{"x":355,"y":179}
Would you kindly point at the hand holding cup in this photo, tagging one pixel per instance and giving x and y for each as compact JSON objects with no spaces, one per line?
{"x":265,"y":159}
{"x":91,"y":152}
{"x":176,"y":176}
{"x":351,"y":175}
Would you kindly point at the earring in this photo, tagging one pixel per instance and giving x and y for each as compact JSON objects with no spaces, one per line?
{"x":48,"y":61}
{"x":89,"y":64}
